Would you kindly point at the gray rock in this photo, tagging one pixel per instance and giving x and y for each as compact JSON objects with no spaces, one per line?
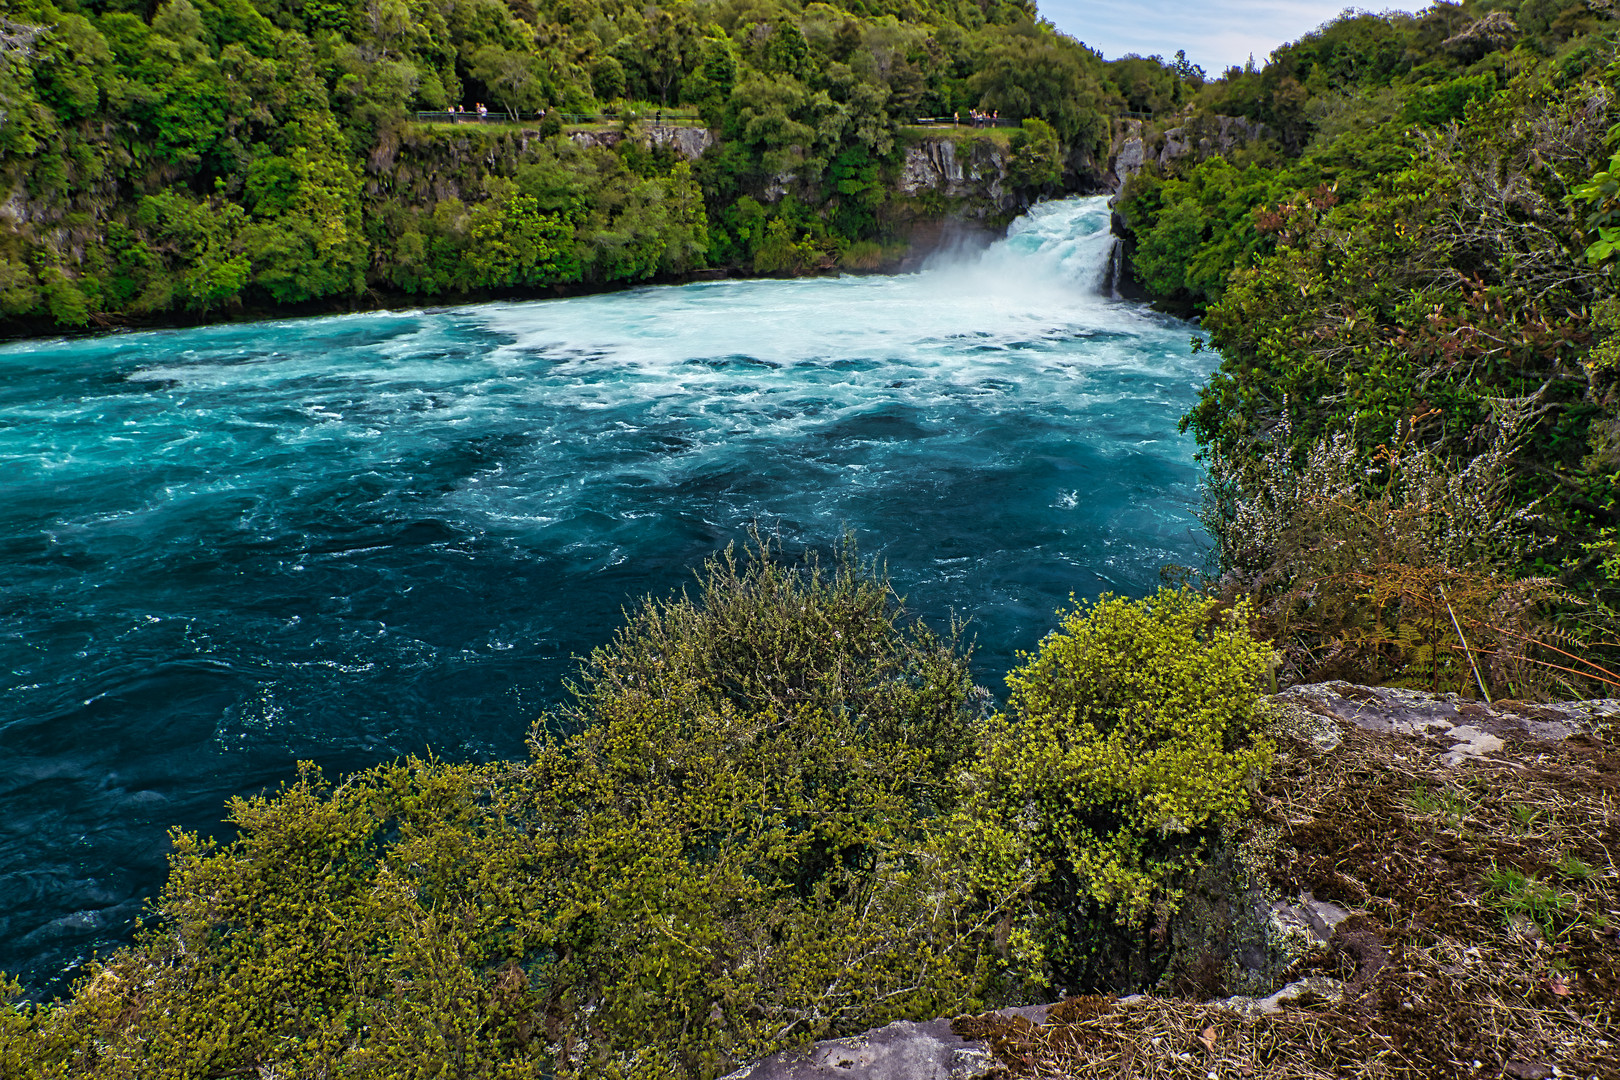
{"x":930,"y":164}
{"x":688,"y":140}
{"x":1495,"y":31}
{"x":1130,"y":152}
{"x":1230,"y":916}
{"x":1456,"y":729}
{"x":1317,"y":987}
{"x":976,"y":168}
{"x":900,"y":1051}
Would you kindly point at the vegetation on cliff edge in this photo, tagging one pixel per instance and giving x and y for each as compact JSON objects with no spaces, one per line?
{"x":1412,"y":435}
{"x":193,"y":158}
{"x":776,"y":811}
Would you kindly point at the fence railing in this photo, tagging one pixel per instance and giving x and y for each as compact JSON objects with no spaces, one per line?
{"x":492,"y":117}
{"x":670,"y":116}
{"x":501,"y":116}
{"x":967,"y":121}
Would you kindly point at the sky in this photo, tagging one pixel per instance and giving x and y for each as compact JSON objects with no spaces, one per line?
{"x":1216,"y":33}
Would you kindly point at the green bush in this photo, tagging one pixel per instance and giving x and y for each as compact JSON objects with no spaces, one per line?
{"x":1130,"y":731}
{"x":763,"y":820}
{"x":736,"y":849}
{"x":740,"y":842}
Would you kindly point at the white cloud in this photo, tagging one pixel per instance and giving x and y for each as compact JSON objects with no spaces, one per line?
{"x":1216,"y":34}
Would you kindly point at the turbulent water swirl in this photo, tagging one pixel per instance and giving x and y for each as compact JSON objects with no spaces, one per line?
{"x":353,"y":538}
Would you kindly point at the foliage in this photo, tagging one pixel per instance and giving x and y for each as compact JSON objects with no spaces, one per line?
{"x":1405,"y":576}
{"x":1037,"y":161}
{"x":740,"y":846}
{"x":1403,"y":261}
{"x":277,"y":138}
{"x":775,"y":811}
{"x":743,"y":821}
{"x":1030,"y":74}
{"x":1127,"y":736}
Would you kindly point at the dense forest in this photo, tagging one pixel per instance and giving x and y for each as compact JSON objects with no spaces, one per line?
{"x":1413,"y":438}
{"x":188,"y":159}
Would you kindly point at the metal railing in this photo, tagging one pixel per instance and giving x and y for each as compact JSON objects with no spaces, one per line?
{"x":967,"y":121}
{"x":501,"y":116}
{"x":492,"y":117}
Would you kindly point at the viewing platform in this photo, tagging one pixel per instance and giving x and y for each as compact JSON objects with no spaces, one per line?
{"x":501,"y":116}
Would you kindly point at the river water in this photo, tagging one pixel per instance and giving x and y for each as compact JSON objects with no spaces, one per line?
{"x":359,"y":537}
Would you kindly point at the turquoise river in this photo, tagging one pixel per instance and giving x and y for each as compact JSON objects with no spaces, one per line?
{"x":353,"y":538}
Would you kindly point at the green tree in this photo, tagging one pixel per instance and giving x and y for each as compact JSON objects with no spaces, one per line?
{"x":309,"y":241}
{"x":514,"y":243}
{"x":1051,"y":78}
{"x":1037,"y":159}
{"x":512,"y":76}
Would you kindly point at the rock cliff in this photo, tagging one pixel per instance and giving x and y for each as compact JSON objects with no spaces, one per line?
{"x":976,"y":168}
{"x":1196,"y":136}
{"x":689,"y":141}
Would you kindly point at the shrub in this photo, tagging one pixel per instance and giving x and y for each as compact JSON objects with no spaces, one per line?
{"x":735,"y":850}
{"x":1388,"y":568}
{"x":738,"y":843}
{"x":763,"y":820}
{"x":1127,"y":735}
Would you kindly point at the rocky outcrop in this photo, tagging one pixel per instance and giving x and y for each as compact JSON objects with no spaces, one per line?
{"x":1332,"y":967}
{"x":1130,"y":151}
{"x":901,"y":1051}
{"x":689,"y":141}
{"x":1243,"y":934}
{"x":1495,"y":31}
{"x":1198,"y":136}
{"x":1209,"y":136}
{"x":972,"y":168}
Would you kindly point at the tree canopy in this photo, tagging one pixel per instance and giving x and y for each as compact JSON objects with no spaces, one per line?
{"x":190,"y":158}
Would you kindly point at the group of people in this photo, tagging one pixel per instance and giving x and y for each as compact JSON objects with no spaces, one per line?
{"x":458,"y":110}
{"x":978,"y":119}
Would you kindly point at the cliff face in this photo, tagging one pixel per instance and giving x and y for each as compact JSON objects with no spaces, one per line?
{"x":420,"y":204}
{"x":688,"y":141}
{"x":974,"y":169}
{"x":1136,"y":144}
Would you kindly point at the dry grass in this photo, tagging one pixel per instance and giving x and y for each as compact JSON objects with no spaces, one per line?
{"x":1483,"y":940}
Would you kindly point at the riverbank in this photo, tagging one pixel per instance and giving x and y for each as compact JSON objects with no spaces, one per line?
{"x":928,"y":237}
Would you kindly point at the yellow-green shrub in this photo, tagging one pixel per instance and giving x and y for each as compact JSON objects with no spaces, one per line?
{"x":1128,"y":733}
{"x":742,"y":841}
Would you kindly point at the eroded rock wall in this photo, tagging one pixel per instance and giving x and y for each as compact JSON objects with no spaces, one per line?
{"x":972,"y":169}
